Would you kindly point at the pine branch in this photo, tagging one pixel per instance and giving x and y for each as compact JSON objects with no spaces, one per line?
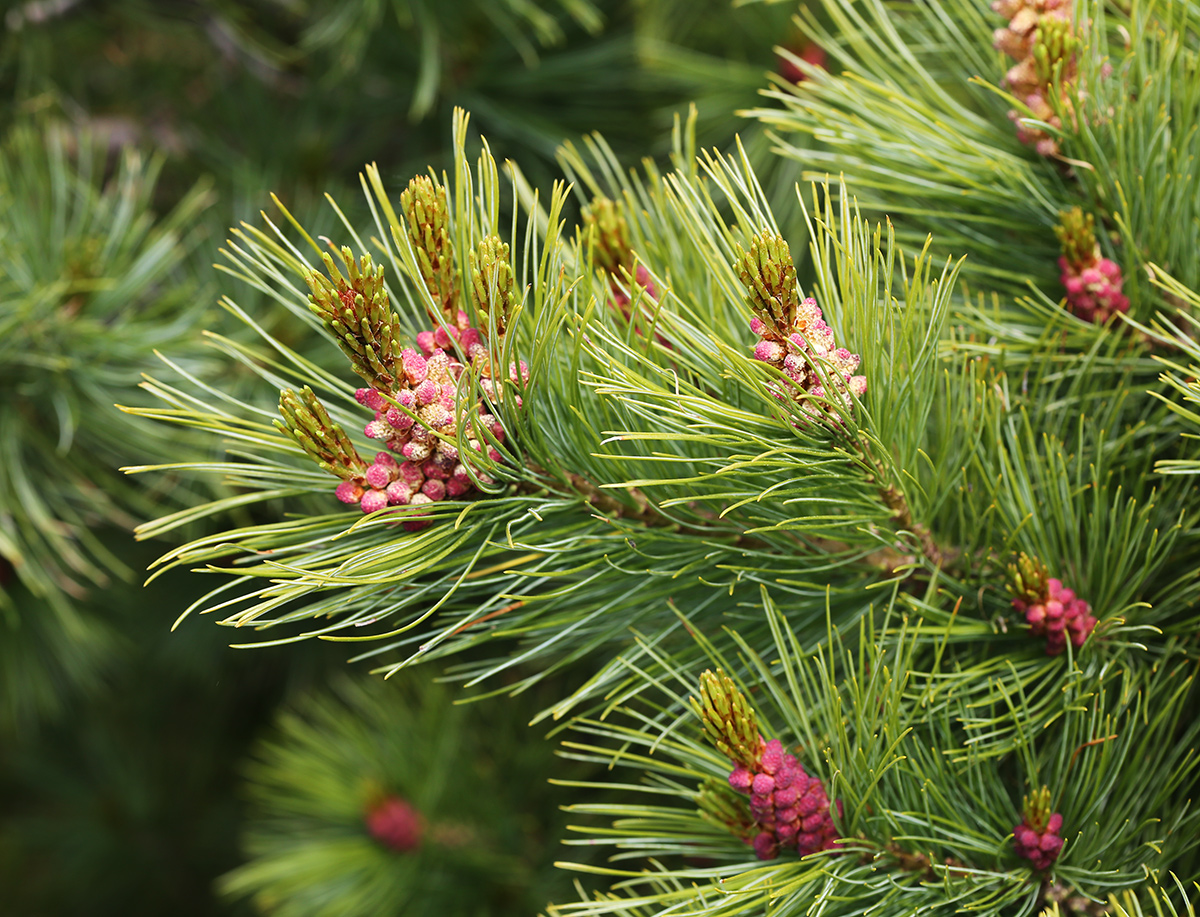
{"x":650,"y":459}
{"x":906,"y":823}
{"x":919,"y":143}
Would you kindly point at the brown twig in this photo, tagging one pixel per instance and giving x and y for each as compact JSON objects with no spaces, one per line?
{"x":511,"y":606}
{"x":894,"y":499}
{"x":886,"y":559}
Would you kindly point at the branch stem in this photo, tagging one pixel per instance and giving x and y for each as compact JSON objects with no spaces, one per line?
{"x":895,"y":500}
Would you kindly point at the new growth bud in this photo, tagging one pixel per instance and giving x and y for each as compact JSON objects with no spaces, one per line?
{"x":427,"y":224}
{"x":1042,"y":39}
{"x":428,"y":415}
{"x":1076,"y":232}
{"x":492,"y":284}
{"x":356,"y":311}
{"x":1054,"y":47}
{"x":788,"y":808}
{"x":1050,"y":609}
{"x":1027,"y":579}
{"x":307,"y":422}
{"x":729,"y":721}
{"x":770,"y":279}
{"x":607,"y":232}
{"x":795,"y":338}
{"x":604,"y":222}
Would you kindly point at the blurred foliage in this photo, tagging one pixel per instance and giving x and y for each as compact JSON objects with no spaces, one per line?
{"x":92,"y":283}
{"x":90,"y":287}
{"x":294,"y":96}
{"x":127,"y":803}
{"x":475,"y":775}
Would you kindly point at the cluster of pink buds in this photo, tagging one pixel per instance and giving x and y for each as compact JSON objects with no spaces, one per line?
{"x":1093,"y":282}
{"x":795,"y":338}
{"x":790,"y":808}
{"x":418,"y":420}
{"x":1050,"y":609}
{"x":1094,"y":292}
{"x":1039,"y":847}
{"x":1037,"y":838}
{"x":418,"y":399}
{"x":1058,"y":616}
{"x":395,"y":823}
{"x":799,"y":355}
{"x":1039,"y":36}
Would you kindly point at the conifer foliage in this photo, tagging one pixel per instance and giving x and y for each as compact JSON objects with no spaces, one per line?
{"x":878,"y":588}
{"x":688,"y":504}
{"x":84,"y":270}
{"x":92,"y":282}
{"x":1103,"y":99}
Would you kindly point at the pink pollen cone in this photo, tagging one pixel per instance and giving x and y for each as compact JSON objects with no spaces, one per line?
{"x":396,"y":823}
{"x":349,"y":492}
{"x":741,"y":779}
{"x":772,"y":756}
{"x":374,"y":500}
{"x":379,"y":476}
{"x":415,"y":366}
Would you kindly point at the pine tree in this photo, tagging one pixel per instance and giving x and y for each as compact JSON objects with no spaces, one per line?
{"x":998,"y":124}
{"x":245,"y":96}
{"x":871,"y":571}
{"x":943,"y":571}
